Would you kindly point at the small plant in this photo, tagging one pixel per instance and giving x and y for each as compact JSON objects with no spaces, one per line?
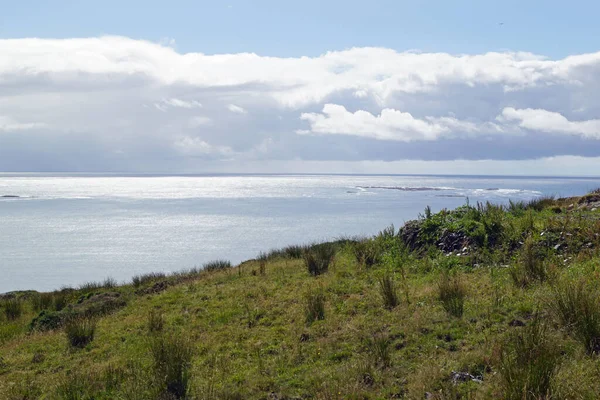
{"x":80,"y":331}
{"x":13,"y":308}
{"x":367,"y":253}
{"x":217,"y":265}
{"x":528,"y":363}
{"x":156,"y":321}
{"x":318,"y":258}
{"x":60,"y":300}
{"x":172,"y":357}
{"x":379,"y":350}
{"x":388,"y":291}
{"x":452,"y":293}
{"x":578,"y":309}
{"x":315,"y":306}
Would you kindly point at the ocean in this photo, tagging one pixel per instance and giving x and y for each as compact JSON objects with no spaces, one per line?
{"x":61,"y":230}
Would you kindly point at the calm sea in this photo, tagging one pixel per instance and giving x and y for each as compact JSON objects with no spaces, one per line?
{"x":66,"y":230}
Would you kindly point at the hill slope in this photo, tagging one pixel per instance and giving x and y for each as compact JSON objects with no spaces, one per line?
{"x":479,"y":302}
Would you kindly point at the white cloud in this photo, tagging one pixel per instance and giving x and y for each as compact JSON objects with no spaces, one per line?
{"x":8,"y":124}
{"x":547,"y":121}
{"x":196,"y":147}
{"x":146,"y":102}
{"x":389,"y":125}
{"x":197,"y":121}
{"x":236,"y":109}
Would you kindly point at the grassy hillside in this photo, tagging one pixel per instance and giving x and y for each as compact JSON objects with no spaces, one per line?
{"x":479,"y":302}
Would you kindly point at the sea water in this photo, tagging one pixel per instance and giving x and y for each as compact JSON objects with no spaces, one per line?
{"x":66,"y":230}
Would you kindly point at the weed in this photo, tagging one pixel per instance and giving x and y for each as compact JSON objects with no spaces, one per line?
{"x":314,"y":306}
{"x":528,"y":363}
{"x":452,"y":293}
{"x":172,"y":357}
{"x":80,"y":331}
{"x":388,"y":291}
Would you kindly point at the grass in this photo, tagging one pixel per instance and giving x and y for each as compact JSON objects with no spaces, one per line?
{"x":577,"y":306}
{"x":367,"y":253}
{"x":314,"y":306}
{"x":172,"y":356}
{"x":529,"y":362}
{"x":13,"y":308}
{"x":156,"y":321}
{"x":388,"y":291}
{"x":530,"y":267}
{"x":80,"y":332}
{"x":318,"y":258}
{"x":452,"y":293}
{"x":217,"y":265}
{"x":230,"y":332}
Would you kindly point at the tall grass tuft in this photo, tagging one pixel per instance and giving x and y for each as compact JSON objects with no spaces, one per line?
{"x":530,"y":267}
{"x":577,"y":307}
{"x":80,"y":331}
{"x":318,"y":258}
{"x":139,"y":280}
{"x":172,"y":357}
{"x":217,"y":265}
{"x":388,"y":291}
{"x":262,"y":263}
{"x":528,"y":363}
{"x":42,"y":301}
{"x":367,"y":253}
{"x":156,"y":321}
{"x":13,"y":308}
{"x":75,"y":386}
{"x":314,"y":306}
{"x":452,"y":293}
{"x":379,"y":348}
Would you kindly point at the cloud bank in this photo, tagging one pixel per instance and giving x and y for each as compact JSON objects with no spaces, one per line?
{"x":119,"y":104}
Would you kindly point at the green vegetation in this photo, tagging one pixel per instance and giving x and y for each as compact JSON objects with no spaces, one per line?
{"x":480,"y":302}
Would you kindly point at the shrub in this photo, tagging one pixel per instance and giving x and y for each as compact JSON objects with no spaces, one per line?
{"x":530,"y":267}
{"x":452,"y":293}
{"x":318,"y":258}
{"x":217,"y":265}
{"x":13,"y":308}
{"x":315,"y":306}
{"x":156,"y":321}
{"x":388,"y":291}
{"x":367,"y":253}
{"x":578,"y":309}
{"x":528,"y":363}
{"x":109,"y":283}
{"x":80,"y":331}
{"x":172,"y":357}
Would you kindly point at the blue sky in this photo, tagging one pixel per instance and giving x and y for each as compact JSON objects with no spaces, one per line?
{"x":311,"y":27}
{"x":311,"y":86}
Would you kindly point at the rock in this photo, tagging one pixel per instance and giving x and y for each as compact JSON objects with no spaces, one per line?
{"x":557,"y":246}
{"x":571,"y":206}
{"x":461,"y":377}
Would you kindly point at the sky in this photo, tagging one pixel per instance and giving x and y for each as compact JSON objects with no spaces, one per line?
{"x":440,"y":87}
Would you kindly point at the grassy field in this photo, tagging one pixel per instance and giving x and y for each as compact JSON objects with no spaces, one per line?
{"x":479,"y":302}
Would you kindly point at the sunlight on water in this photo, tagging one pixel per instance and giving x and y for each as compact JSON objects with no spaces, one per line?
{"x":59,"y":231}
